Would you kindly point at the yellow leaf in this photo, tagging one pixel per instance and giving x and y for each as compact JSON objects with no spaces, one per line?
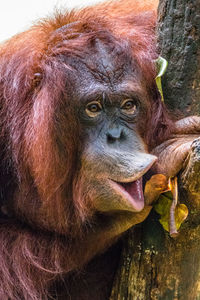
{"x":181,"y":213}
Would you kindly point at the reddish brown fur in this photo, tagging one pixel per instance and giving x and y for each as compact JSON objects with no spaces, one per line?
{"x":39,"y":246}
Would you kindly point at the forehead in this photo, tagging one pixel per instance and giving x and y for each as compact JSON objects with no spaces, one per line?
{"x":103,"y":63}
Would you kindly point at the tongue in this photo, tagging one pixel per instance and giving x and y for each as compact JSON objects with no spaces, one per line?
{"x":134,"y":189}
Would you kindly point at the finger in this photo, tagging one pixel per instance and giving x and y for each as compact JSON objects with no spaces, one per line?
{"x":187,"y":125}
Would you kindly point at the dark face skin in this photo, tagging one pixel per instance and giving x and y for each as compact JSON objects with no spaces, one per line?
{"x":112,"y":106}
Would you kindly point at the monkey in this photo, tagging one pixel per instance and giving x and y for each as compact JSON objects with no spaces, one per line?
{"x":82,"y":122}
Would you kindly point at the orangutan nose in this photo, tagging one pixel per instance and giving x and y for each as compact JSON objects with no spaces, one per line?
{"x":115,"y":134}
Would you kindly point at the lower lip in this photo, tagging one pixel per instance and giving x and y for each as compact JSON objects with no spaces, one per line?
{"x":132,"y":193}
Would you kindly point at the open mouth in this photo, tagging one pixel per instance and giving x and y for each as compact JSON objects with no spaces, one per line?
{"x":131,"y":194}
{"x":129,"y":190}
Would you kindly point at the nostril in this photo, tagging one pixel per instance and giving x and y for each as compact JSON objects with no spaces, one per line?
{"x":110,"y":138}
{"x":115,"y":134}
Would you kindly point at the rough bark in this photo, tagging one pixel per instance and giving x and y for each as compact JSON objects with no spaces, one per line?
{"x":179,"y":42}
{"x":153,"y":265}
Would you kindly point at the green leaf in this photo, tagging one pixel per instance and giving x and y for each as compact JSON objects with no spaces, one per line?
{"x":162,"y":207}
{"x":161,"y":65}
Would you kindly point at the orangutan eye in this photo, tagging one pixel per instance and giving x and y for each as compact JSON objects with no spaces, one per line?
{"x":93,"y":109}
{"x":129,"y":106}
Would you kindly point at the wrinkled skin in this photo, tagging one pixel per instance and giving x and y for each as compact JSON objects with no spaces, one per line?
{"x":172,"y":154}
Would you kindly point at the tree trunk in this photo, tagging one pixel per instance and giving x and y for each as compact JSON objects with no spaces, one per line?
{"x":153,"y":265}
{"x":179,"y":42}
